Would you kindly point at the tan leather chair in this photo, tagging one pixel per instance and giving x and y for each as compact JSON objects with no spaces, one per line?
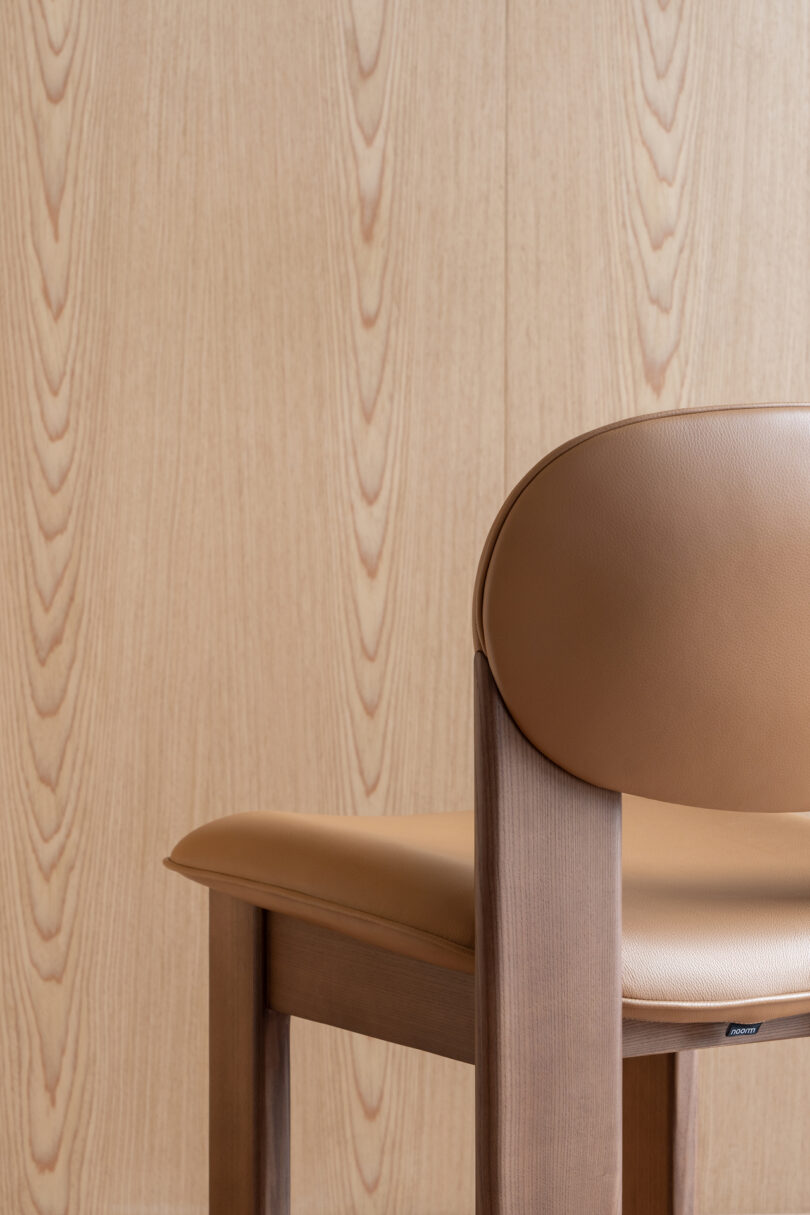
{"x":642,"y":632}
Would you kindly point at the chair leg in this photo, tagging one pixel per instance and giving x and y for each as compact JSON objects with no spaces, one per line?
{"x":548,"y":990}
{"x":660,"y":1134}
{"x":249,"y":1098}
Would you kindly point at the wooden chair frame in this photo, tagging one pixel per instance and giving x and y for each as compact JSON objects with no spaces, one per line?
{"x":569,"y":1100}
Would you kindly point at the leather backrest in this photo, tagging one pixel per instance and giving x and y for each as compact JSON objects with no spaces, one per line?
{"x":643,"y":600}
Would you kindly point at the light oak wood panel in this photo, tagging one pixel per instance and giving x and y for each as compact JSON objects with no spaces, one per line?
{"x":252,"y":407}
{"x":411,"y":223}
{"x":602,"y":249}
{"x":189,"y":465}
{"x":52,"y":325}
{"x":657,"y":211}
{"x":658,"y":255}
{"x":753,"y":1123}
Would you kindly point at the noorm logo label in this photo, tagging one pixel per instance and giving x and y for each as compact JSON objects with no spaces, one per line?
{"x":736,"y":1030}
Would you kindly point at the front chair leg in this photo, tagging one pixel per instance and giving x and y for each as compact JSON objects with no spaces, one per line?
{"x":548,"y":984}
{"x":249,"y":1096}
{"x":660,"y":1134}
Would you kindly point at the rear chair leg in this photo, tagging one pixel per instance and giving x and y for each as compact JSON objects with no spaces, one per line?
{"x":548,"y":990}
{"x":249,"y":1069}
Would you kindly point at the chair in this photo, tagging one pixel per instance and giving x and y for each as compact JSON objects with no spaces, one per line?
{"x":642,"y":636}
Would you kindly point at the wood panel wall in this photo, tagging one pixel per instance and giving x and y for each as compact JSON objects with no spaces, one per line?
{"x":289,"y":296}
{"x":658,"y":256}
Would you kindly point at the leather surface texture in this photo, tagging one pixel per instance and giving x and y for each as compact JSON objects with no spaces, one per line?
{"x":403,"y":882}
{"x":716,"y":906}
{"x":715,"y":913}
{"x":643,"y":600}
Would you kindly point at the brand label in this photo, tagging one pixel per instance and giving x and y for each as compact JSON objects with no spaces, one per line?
{"x":742,"y":1031}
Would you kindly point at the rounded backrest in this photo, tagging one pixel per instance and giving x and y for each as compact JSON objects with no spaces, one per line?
{"x":643,"y":601}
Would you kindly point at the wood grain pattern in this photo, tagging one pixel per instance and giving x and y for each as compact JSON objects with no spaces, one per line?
{"x":658,"y":254}
{"x":52,"y":307}
{"x":324,"y":976}
{"x":321,"y":975}
{"x":548,"y":1029}
{"x":763,"y":1167}
{"x":211,"y":440}
{"x":409,"y":220}
{"x":649,"y":1037}
{"x":251,"y":333}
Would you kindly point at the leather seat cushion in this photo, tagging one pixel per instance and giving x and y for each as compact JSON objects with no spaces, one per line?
{"x":403,"y":882}
{"x":716,"y":913}
{"x":716,"y":905}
